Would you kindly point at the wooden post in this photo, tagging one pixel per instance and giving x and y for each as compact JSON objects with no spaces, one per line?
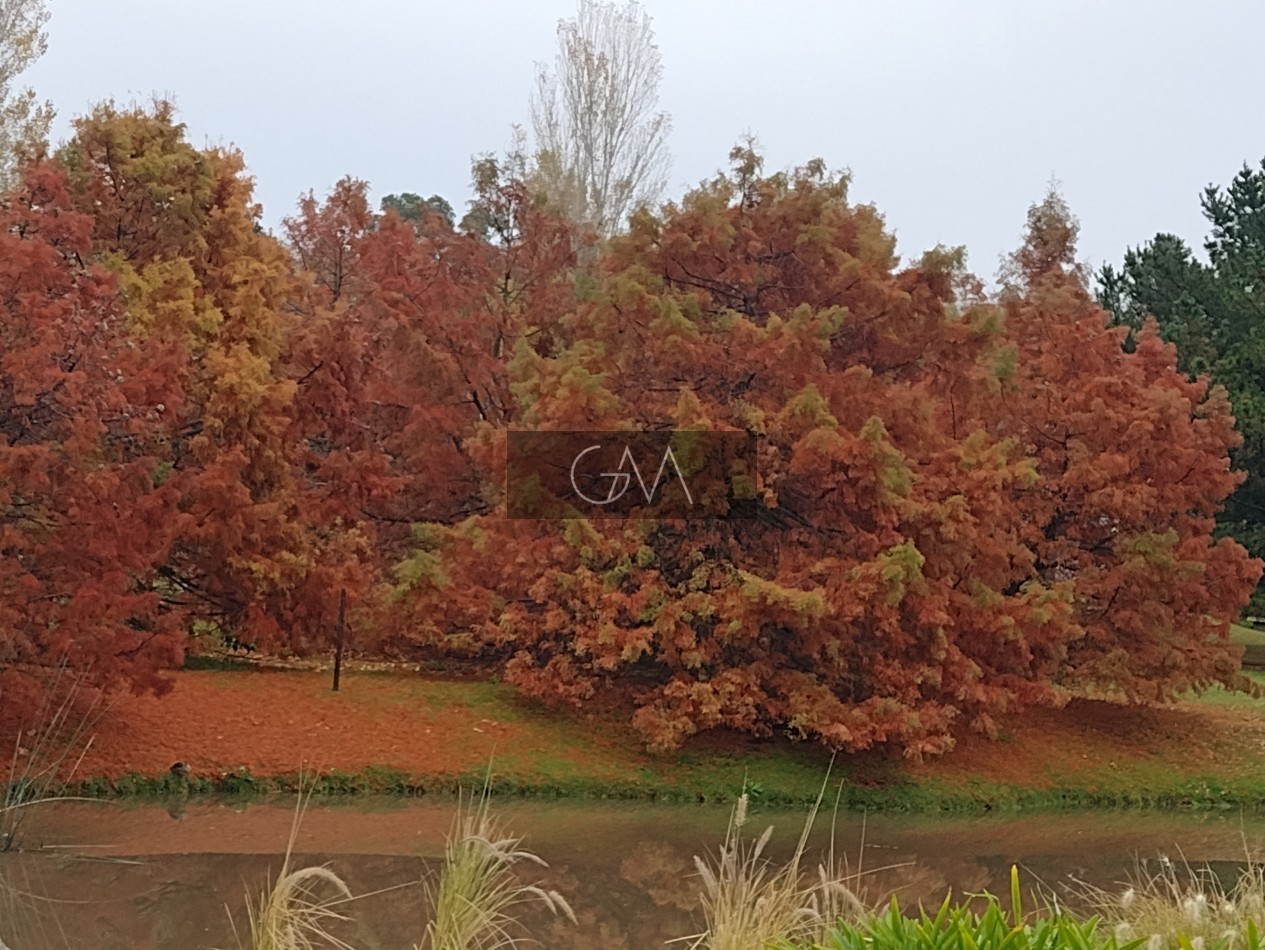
{"x":342,"y":631}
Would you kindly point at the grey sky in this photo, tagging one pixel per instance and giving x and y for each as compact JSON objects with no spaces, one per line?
{"x":952,"y":116}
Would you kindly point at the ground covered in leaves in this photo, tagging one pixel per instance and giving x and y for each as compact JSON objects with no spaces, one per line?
{"x":275,"y":722}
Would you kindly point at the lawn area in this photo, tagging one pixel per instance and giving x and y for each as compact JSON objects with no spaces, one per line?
{"x":1249,"y":636}
{"x":403,"y":732}
{"x":1220,"y":696}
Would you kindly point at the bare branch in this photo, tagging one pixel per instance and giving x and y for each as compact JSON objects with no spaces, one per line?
{"x":24,"y":120}
{"x":601,"y":143}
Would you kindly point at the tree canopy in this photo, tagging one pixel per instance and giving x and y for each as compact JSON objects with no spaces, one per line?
{"x":961,"y":507}
{"x":1215,"y":312}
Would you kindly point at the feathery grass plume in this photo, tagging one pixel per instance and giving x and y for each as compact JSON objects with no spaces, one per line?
{"x":747,"y":902}
{"x":1175,"y":905}
{"x":297,"y":910}
{"x":293,"y":915}
{"x":473,"y":904}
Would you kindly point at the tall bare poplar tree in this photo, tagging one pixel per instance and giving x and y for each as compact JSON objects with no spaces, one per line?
{"x":24,"y":120}
{"x":600,"y":139}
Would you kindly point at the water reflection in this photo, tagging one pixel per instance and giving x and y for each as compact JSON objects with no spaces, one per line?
{"x":168,"y":876}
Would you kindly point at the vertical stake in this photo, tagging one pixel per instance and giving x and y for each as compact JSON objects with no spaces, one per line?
{"x":342,"y":631}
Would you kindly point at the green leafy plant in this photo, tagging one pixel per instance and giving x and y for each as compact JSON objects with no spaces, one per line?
{"x":958,"y":927}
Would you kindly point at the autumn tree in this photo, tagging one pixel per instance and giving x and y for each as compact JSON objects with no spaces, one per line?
{"x":322,"y":238}
{"x":86,"y":516}
{"x":391,"y":361}
{"x":177,"y":225}
{"x":1134,"y":457}
{"x":708,"y":321}
{"x":1212,"y":312}
{"x":600,"y":139}
{"x":960,"y":507}
{"x":24,"y":120}
{"x":402,"y":364}
{"x":900,"y":579}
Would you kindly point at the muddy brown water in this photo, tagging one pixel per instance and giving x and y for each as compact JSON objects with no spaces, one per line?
{"x":176,"y":877}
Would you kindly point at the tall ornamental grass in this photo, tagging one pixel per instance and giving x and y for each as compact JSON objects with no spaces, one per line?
{"x":477,"y":899}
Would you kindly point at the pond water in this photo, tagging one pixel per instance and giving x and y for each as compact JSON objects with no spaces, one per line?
{"x":139,"y":876}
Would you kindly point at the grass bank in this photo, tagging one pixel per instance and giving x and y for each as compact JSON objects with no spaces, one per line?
{"x":251,"y":732}
{"x":911,"y":798}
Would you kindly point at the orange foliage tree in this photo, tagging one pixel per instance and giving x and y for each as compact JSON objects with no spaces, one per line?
{"x":904,"y":575}
{"x":85,"y":520}
{"x":179,"y":228}
{"x":402,"y":362}
{"x":962,"y":507}
{"x":1134,"y":463}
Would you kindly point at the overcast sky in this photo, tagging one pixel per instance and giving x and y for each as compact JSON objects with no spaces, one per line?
{"x":952,"y":115}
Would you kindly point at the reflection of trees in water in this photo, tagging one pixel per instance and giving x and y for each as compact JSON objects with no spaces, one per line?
{"x":653,"y":896}
{"x":644,"y":898}
{"x":179,"y":900}
{"x":667,"y":875}
{"x":611,"y":911}
{"x":914,"y":879}
{"x":589,"y":930}
{"x":638,"y":891}
{"x":663,"y":872}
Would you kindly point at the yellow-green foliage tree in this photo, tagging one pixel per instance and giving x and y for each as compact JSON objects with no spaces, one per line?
{"x":179,"y":228}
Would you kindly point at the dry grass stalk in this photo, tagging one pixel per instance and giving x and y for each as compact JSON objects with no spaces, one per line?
{"x":1173,"y":903}
{"x":475,"y":900}
{"x":749,"y":902}
{"x":297,"y":910}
